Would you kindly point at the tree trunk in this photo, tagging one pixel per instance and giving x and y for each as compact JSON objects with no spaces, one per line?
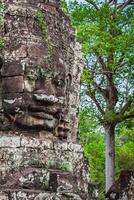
{"x":110,"y":155}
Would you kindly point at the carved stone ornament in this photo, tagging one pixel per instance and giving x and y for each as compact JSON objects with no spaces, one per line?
{"x":39,"y":70}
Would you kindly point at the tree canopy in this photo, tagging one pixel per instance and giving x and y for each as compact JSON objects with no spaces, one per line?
{"x":106,"y":31}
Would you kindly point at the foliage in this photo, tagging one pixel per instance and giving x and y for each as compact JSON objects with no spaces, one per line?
{"x":95,"y":151}
{"x":2,"y":42}
{"x":88,"y":121}
{"x":40,"y":16}
{"x":125,"y":147}
{"x":42,"y":24}
{"x":106,"y":31}
{"x":64,"y":6}
{"x":94,"y":147}
{"x":92,"y":139}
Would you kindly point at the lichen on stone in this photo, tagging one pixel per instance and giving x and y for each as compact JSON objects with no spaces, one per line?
{"x":40,"y":16}
{"x":2,"y":41}
{"x":39,"y":97}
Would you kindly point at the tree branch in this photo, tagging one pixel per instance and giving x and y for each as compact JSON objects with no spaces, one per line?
{"x":125,"y":107}
{"x":97,"y":87}
{"x":122,"y":64}
{"x":123,"y":5}
{"x":129,"y":116}
{"x":97,"y":104}
{"x":100,"y":60}
{"x":110,"y":94}
{"x":103,"y":92}
{"x":93,"y":4}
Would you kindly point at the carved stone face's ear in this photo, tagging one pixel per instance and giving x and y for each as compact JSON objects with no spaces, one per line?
{"x":68,"y":85}
{"x":1,"y":64}
{"x":69,"y":81}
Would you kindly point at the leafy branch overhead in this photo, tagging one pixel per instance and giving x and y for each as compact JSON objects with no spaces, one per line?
{"x":2,"y":42}
{"x":106,"y":31}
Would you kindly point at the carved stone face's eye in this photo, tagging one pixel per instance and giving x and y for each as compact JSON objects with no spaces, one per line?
{"x":60,"y":83}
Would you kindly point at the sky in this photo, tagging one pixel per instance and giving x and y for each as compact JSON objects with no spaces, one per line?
{"x":77,"y":0}
{"x":119,"y":1}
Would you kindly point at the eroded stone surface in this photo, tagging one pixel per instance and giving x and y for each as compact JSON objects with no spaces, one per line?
{"x":123,"y":188}
{"x":29,"y":164}
{"x":41,"y":65}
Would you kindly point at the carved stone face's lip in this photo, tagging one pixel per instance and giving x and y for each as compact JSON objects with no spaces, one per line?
{"x":40,"y":120}
{"x":53,"y":110}
{"x":39,"y":116}
{"x":42,"y":115}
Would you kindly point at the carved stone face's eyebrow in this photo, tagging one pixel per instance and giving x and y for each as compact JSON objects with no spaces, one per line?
{"x":39,"y":72}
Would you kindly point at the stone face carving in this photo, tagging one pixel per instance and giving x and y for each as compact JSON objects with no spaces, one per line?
{"x":40,"y":68}
{"x":38,"y":100}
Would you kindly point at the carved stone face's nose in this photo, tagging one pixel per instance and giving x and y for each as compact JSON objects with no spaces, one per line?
{"x":45,"y":92}
{"x":46,"y":98}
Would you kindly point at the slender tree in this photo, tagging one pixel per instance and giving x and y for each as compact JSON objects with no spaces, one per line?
{"x":106,"y":31}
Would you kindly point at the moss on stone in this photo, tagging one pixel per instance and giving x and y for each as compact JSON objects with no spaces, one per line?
{"x":2,"y":42}
{"x":66,"y":166}
{"x":45,"y":35}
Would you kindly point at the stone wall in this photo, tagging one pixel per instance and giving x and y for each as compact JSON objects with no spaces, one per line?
{"x":31,"y":167}
{"x":123,"y":188}
{"x":40,"y":68}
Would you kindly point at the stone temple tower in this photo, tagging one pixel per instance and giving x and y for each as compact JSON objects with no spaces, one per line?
{"x":40,"y":67}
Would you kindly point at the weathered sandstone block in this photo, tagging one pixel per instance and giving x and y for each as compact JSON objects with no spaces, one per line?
{"x":40,"y":68}
{"x":123,"y":188}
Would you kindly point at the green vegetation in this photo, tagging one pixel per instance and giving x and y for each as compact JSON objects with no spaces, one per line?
{"x":93,"y":141}
{"x":42,"y":25}
{"x":2,"y":42}
{"x":66,"y":166}
{"x":45,"y":35}
{"x":106,"y":32}
{"x":94,"y":147}
{"x":125,"y":147}
{"x":64,"y":6}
